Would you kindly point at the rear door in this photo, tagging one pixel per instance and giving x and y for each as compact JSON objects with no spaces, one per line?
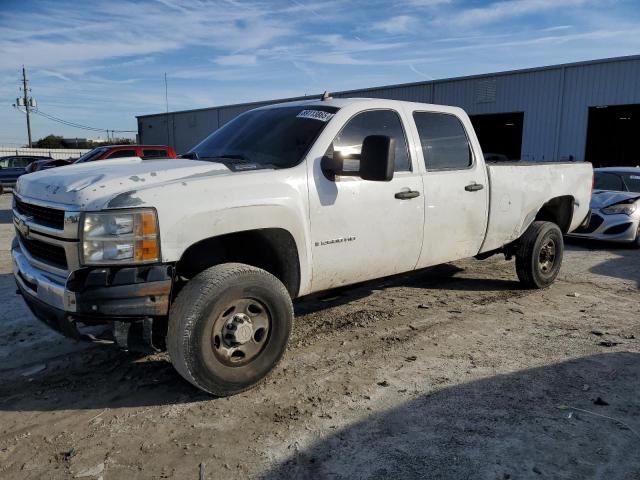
{"x":363,"y":229}
{"x":455,"y":188}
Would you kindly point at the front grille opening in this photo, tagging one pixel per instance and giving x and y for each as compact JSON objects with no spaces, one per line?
{"x":45,"y":252}
{"x":594,"y":223}
{"x":617,"y":229}
{"x":49,"y":217}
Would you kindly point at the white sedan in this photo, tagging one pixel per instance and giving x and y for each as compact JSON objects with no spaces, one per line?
{"x":615,"y":206}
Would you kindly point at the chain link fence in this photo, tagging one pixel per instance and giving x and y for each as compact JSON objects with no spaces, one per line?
{"x":57,"y":153}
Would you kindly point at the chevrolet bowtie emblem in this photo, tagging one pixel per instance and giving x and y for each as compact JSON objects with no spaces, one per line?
{"x":23,"y":228}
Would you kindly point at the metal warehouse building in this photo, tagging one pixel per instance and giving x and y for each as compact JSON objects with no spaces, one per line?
{"x":579,"y":111}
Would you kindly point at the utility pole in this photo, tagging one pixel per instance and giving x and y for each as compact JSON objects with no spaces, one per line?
{"x":26,"y":100}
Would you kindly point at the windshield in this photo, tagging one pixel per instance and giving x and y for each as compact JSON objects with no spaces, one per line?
{"x":91,"y":155}
{"x":274,"y":137}
{"x":617,"y":181}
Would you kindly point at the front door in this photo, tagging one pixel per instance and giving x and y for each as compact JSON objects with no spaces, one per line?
{"x":456,"y":189}
{"x":364,"y":229}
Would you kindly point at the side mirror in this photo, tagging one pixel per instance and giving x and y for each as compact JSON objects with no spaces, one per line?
{"x":376,"y":161}
{"x":378,"y":158}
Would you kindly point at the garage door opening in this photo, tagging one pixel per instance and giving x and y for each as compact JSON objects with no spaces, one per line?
{"x":612,"y":136}
{"x":500,"y":135}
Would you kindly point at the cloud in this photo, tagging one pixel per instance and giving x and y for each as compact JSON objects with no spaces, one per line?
{"x":503,"y":10}
{"x":427,"y":3}
{"x":395,"y":25}
{"x":236,"y":60}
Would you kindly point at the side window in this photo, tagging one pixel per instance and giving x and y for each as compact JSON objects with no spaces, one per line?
{"x":20,"y":162}
{"x":154,"y":153}
{"x":375,"y":122}
{"x":608,"y":181}
{"x":123,"y":153}
{"x":4,"y":162}
{"x":444,"y":141}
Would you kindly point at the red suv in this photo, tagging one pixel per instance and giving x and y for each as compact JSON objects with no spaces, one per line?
{"x":145,"y":152}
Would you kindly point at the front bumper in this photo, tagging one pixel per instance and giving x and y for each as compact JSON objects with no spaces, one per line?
{"x":92,"y":296}
{"x":612,"y":228}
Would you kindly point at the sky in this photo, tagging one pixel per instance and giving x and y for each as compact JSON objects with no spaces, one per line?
{"x":102,"y":62}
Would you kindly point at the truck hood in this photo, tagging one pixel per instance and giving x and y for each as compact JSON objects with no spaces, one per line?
{"x":96,"y":185}
{"x":604,"y":198}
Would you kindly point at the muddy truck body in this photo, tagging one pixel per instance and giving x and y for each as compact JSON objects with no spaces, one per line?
{"x":204,"y":255}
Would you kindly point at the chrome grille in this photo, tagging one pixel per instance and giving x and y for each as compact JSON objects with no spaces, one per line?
{"x":49,"y":217}
{"x":45,"y":252}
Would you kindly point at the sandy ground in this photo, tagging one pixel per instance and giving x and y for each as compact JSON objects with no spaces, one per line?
{"x":451,"y":372}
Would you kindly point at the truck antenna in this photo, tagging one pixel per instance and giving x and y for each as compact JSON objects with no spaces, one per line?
{"x":326,"y":96}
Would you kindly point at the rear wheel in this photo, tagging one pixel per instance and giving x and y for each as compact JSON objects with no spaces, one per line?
{"x":636,"y":242}
{"x":539,"y":255}
{"x":229,"y":328}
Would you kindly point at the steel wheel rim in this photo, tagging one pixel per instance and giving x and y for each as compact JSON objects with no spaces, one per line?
{"x":547,"y":256}
{"x":240,"y":332}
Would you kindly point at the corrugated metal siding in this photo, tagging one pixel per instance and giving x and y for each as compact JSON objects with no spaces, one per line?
{"x":595,"y":85}
{"x":555,"y":102}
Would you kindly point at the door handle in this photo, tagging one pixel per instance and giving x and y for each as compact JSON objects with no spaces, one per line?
{"x":407,"y":194}
{"x":473,"y":187}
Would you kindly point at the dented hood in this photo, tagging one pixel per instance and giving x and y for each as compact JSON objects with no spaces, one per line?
{"x":97,"y":184}
{"x":604,"y":198}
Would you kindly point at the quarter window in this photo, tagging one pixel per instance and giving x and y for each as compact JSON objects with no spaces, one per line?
{"x":444,"y":141}
{"x":374,"y":122}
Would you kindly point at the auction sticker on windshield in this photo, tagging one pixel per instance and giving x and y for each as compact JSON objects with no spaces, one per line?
{"x":316,"y":115}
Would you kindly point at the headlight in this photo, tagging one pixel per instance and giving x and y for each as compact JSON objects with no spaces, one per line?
{"x":626,"y":208}
{"x":126,"y":236}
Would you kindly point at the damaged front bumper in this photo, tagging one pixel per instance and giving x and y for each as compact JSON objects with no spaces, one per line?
{"x":612,"y":228}
{"x":127,"y":298}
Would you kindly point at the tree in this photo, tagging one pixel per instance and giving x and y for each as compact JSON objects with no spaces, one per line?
{"x":50,"y":141}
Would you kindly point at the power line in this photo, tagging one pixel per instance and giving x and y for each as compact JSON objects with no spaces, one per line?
{"x":77,"y":125}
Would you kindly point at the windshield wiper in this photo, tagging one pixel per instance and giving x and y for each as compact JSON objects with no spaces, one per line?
{"x":191,"y":155}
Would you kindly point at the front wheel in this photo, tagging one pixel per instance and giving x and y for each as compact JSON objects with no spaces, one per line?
{"x":539,"y":255}
{"x":229,"y":328}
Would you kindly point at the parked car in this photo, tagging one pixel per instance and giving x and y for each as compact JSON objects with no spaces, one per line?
{"x":12,"y":166}
{"x":615,"y":206}
{"x":206,"y":254}
{"x":146,"y":152}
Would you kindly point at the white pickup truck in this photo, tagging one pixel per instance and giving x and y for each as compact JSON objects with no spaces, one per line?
{"x":204,"y":255}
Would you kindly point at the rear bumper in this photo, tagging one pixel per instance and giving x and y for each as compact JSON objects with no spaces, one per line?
{"x":92,"y":296}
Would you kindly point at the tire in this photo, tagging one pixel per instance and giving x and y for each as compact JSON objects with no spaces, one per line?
{"x":216,"y":312}
{"x":539,"y":255}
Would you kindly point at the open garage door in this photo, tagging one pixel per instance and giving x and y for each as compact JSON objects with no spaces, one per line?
{"x":612,"y":136}
{"x":500,"y":135}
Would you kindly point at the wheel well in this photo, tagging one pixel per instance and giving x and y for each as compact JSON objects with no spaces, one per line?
{"x":272,"y":249}
{"x":558,"y":210}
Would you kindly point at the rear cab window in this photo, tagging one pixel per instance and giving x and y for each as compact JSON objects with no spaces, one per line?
{"x":444,"y":141}
{"x":149,"y":153}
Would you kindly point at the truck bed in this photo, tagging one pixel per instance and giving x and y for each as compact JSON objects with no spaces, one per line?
{"x":518,"y":190}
